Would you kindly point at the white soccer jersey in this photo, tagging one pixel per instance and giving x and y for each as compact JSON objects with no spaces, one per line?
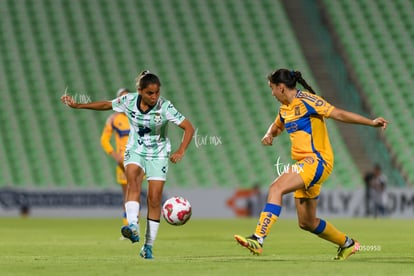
{"x":148,"y":135}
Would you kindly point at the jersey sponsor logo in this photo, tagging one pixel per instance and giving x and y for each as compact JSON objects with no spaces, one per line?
{"x":143,"y":130}
{"x":265,"y":224}
{"x":291,"y":127}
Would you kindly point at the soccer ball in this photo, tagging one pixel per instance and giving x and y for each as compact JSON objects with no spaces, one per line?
{"x":176,"y":210}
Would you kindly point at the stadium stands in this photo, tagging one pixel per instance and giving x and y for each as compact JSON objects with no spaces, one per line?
{"x":377,"y":38}
{"x":212,"y":62}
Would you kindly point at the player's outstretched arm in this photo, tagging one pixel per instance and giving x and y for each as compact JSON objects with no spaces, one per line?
{"x":272,"y":131}
{"x":188,"y":136}
{"x":104,"y":105}
{"x":353,"y":118}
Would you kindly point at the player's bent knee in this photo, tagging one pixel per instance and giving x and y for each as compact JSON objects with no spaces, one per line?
{"x":306,"y":225}
{"x":277,"y":189}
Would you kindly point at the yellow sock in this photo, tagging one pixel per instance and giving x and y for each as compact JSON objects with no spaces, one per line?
{"x":327,"y":231}
{"x":267,"y":218}
{"x":124,"y":219}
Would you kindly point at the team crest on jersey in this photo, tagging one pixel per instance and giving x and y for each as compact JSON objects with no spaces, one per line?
{"x":157,"y":118}
{"x":297,"y":110}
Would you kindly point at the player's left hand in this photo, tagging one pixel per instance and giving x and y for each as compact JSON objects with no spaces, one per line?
{"x":176,"y":157}
{"x":380,"y":122}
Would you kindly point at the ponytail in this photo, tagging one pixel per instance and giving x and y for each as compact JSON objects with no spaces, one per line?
{"x":289,"y":78}
{"x":298,"y":77}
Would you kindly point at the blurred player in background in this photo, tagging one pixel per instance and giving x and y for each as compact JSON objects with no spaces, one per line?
{"x":117,"y":124}
{"x":377,"y":185}
{"x":147,"y":150}
{"x":302,"y":115}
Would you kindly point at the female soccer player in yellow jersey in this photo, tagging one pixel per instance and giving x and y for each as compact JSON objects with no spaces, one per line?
{"x":303,"y":115}
{"x":117,"y":124}
{"x":147,"y":152}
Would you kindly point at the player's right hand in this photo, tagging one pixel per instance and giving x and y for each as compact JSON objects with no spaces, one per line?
{"x":380,"y":122}
{"x":68,"y":100}
{"x":267,"y":140}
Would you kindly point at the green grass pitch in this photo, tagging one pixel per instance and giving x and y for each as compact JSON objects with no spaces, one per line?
{"x":36,"y":246}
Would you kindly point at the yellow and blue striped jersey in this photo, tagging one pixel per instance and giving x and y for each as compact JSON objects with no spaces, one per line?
{"x":304,"y":120}
{"x":117,"y":124}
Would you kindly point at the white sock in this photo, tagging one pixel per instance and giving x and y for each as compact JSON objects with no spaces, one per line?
{"x":132,"y":209}
{"x":348,"y":242}
{"x":259,"y":239}
{"x":151,"y":231}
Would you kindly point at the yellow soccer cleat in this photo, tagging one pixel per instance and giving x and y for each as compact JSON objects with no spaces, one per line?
{"x":344,"y":253}
{"x":250,"y":243}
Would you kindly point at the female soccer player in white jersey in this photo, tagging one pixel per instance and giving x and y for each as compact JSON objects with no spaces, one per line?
{"x":147,"y":151}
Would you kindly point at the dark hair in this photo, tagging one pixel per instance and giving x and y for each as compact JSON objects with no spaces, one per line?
{"x":289,"y":78}
{"x":146,"y":78}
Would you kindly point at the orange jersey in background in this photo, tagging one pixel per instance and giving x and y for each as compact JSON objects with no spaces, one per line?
{"x":118,"y":125}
